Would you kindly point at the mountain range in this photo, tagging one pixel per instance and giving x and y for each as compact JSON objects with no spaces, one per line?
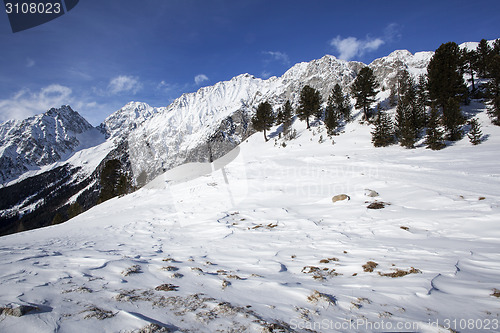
{"x":52,"y":160}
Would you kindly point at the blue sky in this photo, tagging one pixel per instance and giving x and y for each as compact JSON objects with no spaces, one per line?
{"x":103,"y":54}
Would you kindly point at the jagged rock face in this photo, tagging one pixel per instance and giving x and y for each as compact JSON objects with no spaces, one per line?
{"x":39,"y":140}
{"x":386,"y":68}
{"x":178,"y":134}
{"x":127,"y":119}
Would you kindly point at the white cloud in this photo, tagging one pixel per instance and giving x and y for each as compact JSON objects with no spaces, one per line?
{"x":279,"y":56}
{"x":351,"y":47}
{"x":124,"y":84}
{"x":30,"y":62}
{"x":392,"y":33}
{"x":265,"y":74}
{"x":200,"y":78}
{"x":26,"y":103}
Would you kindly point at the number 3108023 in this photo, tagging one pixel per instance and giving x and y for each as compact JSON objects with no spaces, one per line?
{"x":33,"y":8}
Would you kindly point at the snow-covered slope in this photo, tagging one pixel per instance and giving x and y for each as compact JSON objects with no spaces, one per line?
{"x":43,"y":139}
{"x":182,"y":132}
{"x":122,"y":122}
{"x":259,"y":245}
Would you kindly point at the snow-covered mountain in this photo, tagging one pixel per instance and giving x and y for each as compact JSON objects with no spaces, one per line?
{"x":184,"y":131}
{"x":42,"y":140}
{"x":196,"y":127}
{"x":261,"y":247}
{"x":128,"y":118}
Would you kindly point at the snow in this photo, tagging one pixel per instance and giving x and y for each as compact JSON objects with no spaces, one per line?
{"x":240,"y":240}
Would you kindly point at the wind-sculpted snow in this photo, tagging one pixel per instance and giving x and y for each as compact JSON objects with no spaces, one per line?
{"x":259,"y":246}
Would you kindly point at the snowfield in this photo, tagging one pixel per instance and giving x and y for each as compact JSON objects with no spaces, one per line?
{"x":257,"y":245}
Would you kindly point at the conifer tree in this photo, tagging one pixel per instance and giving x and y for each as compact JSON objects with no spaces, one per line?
{"x":364,"y":90}
{"x":483,"y":53}
{"x":446,"y":86}
{"x":74,"y":210}
{"x":341,"y":103}
{"x":113,"y":182}
{"x":475,"y":133}
{"x":383,"y":133}
{"x":338,"y":108}
{"x":331,"y":115}
{"x":422,"y":99}
{"x":434,"y":136}
{"x":263,"y":119}
{"x":409,"y":114}
{"x":493,"y":86}
{"x":405,"y":129}
{"x":470,"y":63}
{"x":309,"y":103}
{"x":393,"y":100}
{"x":287,"y":114}
{"x":453,"y":119}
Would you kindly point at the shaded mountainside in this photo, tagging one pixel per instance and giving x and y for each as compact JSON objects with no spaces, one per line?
{"x":62,"y":156}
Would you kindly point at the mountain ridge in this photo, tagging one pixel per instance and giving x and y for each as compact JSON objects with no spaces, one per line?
{"x":196,"y":127}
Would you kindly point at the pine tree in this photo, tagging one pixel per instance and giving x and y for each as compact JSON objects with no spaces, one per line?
{"x":364,"y":90}
{"x":446,"y":86}
{"x":453,"y":119}
{"x":287,"y":114}
{"x":264,"y":118}
{"x":341,"y":103}
{"x":309,"y":104}
{"x":58,"y":219}
{"x":422,"y":99}
{"x":405,"y":129}
{"x":470,"y":63}
{"x":493,"y":86}
{"x":74,"y":209}
{"x":393,"y":100}
{"x":409,"y":114}
{"x":475,"y":133}
{"x":434,"y":136}
{"x":483,"y":53}
{"x":331,"y":115}
{"x":383,"y":133}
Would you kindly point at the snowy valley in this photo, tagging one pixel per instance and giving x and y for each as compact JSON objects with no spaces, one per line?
{"x":245,"y":237}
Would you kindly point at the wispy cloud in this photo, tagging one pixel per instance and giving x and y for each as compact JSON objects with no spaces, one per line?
{"x":124,"y":84}
{"x":278,"y":56}
{"x":26,"y":103}
{"x":265,"y":74}
{"x":30,"y":62}
{"x":200,"y":78}
{"x":352,"y":47}
{"x":392,"y":33}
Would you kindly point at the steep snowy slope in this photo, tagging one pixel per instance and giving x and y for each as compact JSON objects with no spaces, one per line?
{"x":260,"y":246}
